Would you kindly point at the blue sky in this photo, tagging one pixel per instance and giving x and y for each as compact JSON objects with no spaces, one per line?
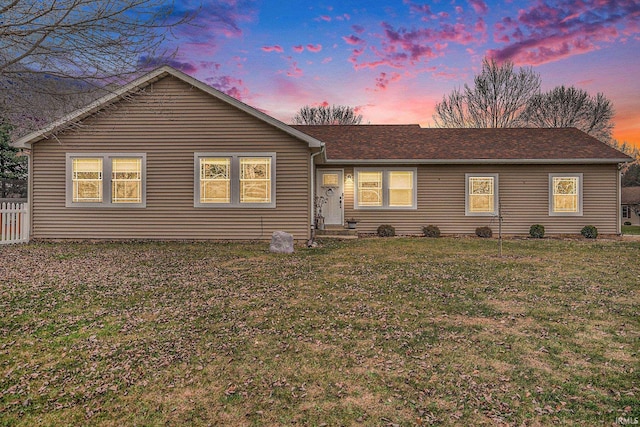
{"x":394,"y":60}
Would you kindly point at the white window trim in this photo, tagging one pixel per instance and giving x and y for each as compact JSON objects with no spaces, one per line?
{"x":580,"y":186}
{"x":496,"y":193}
{"x":106,"y":180}
{"x":385,"y":189}
{"x":234,"y":180}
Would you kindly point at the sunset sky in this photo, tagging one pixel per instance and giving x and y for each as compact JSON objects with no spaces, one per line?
{"x":394,"y":60}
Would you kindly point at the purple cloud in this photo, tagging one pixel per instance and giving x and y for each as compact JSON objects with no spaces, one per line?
{"x":229,"y":85}
{"x":353,"y":40}
{"x":150,"y":63}
{"x":419,"y":8}
{"x":401,"y":47}
{"x":383,"y":79}
{"x":547,"y":32}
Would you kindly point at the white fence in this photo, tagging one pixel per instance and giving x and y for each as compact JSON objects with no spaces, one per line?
{"x":14,"y":223}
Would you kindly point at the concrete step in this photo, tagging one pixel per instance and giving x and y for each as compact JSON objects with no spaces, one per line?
{"x":337,"y":232}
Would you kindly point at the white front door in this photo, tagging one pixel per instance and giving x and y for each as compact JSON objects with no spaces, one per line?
{"x":330,"y":195}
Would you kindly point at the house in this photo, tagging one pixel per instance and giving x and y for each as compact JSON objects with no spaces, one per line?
{"x":168,"y":157}
{"x":631,"y":205}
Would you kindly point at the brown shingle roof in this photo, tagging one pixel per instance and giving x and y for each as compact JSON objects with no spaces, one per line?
{"x":411,"y":142}
{"x":630,"y":195}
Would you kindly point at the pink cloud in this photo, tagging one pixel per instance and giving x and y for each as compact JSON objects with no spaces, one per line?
{"x":479,"y":6}
{"x":294,"y":70}
{"x":298,"y":49}
{"x":229,"y":85}
{"x":383,"y":80}
{"x":359,"y":29}
{"x":314,"y":48}
{"x":327,"y":60}
{"x":325,"y":18}
{"x":353,"y":40}
{"x":547,"y":32}
{"x":275,"y":48}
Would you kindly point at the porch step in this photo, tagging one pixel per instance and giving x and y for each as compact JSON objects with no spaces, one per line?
{"x":337,"y":232}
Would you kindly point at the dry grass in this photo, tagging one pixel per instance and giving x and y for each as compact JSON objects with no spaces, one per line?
{"x":372,"y":332}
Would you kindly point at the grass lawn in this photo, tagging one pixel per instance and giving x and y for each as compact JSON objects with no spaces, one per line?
{"x":399,"y":331}
{"x":631,"y":229}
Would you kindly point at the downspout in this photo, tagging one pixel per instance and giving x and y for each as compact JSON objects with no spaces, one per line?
{"x":619,"y":201}
{"x":30,"y":192}
{"x":312,"y":200}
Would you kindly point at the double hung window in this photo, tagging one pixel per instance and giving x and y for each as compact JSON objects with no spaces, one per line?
{"x":385,"y":188}
{"x":565,"y":194}
{"x":481,"y":194}
{"x":234,"y":180}
{"x":106,"y":180}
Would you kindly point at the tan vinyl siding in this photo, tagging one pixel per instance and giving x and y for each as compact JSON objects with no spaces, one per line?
{"x":170,"y":121}
{"x":523,"y":192}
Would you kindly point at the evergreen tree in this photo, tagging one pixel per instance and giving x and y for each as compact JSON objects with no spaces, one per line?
{"x":13,"y":164}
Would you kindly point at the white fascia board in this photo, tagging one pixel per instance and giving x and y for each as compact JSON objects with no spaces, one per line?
{"x":478,"y":161}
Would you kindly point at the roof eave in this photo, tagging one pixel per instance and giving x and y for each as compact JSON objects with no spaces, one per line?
{"x":75,"y":116}
{"x":477,"y":161}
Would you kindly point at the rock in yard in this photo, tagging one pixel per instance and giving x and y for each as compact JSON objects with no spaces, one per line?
{"x":281,"y":243}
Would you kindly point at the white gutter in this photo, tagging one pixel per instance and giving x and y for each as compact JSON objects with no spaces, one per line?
{"x":619,"y":199}
{"x":476,"y":161}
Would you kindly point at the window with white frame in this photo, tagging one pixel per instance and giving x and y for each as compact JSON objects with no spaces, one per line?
{"x":126,"y":180}
{"x":215,"y":180}
{"x":481,"y":195}
{"x":234,"y":180}
{"x":387,"y":188}
{"x":255,"y":180}
{"x":86,"y":175}
{"x":565,"y":194}
{"x":106,"y":180}
{"x":626,"y":211}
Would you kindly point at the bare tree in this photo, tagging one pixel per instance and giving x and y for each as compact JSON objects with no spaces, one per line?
{"x":496,"y":100}
{"x":571,"y":107}
{"x":324,"y":115}
{"x":53,"y":50}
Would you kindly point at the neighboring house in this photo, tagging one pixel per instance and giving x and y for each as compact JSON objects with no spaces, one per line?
{"x":168,"y":157}
{"x":631,"y":205}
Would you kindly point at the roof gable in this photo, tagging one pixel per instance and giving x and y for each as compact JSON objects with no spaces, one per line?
{"x":147,"y":79}
{"x":411,"y":143}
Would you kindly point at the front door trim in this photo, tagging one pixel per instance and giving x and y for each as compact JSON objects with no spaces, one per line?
{"x":333,"y":209}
